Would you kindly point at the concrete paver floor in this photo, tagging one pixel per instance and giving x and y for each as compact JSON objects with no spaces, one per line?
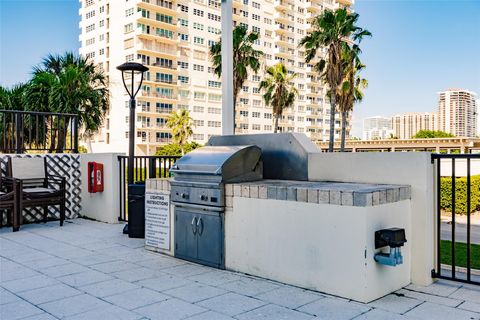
{"x":90,"y":270}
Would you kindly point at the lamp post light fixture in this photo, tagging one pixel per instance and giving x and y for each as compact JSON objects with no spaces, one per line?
{"x":131,"y":69}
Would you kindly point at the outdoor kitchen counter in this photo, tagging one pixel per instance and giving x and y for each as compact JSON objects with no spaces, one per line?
{"x":336,"y":193}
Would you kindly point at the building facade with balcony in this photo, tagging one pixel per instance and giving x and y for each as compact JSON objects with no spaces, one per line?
{"x":173,"y":38}
{"x":406,"y":125}
{"x":457,"y":111}
{"x":377,"y":128}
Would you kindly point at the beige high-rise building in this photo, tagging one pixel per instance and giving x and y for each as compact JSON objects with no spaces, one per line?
{"x":406,"y":125}
{"x":458,"y":112}
{"x":173,"y":38}
{"x":377,"y":128}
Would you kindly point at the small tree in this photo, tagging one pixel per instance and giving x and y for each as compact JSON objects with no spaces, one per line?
{"x":428,"y":134}
{"x":279,"y":90}
{"x":182,"y":127}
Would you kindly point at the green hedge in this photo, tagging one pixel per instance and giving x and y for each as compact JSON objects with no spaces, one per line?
{"x":460,"y":194}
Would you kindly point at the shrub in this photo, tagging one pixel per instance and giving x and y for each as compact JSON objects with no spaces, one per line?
{"x":174,"y":149}
{"x":460,"y":194}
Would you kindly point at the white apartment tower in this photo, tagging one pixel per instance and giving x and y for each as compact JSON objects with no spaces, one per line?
{"x":457,"y":112}
{"x":377,"y":128}
{"x":173,"y":38}
{"x":406,"y":125}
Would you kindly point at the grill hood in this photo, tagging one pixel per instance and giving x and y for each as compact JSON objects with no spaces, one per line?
{"x":220,"y":163}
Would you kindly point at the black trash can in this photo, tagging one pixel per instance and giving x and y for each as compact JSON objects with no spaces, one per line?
{"x":136,"y":210}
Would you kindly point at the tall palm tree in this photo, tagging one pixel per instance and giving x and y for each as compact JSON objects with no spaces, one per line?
{"x":279,"y":93}
{"x":330,"y":30}
{"x":351,"y":91}
{"x":11,"y":99}
{"x":245,"y":57}
{"x":182,"y":127}
{"x":70,"y":84}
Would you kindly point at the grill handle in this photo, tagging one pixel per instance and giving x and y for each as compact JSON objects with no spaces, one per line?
{"x":194,"y":225}
{"x":216,"y":172}
{"x":200,"y":225}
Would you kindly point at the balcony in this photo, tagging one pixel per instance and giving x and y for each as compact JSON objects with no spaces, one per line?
{"x":148,"y":94}
{"x":160,"y":6}
{"x":157,"y":23}
{"x":149,"y":35}
{"x":157,"y":49}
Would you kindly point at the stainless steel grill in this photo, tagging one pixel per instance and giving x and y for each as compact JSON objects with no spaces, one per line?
{"x":198,"y":193}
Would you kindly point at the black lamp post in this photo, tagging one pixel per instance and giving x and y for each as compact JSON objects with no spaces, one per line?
{"x":136,"y":192}
{"x":132,"y":69}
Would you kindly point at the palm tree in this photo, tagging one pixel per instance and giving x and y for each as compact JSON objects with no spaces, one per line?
{"x":69,"y":84}
{"x":182,"y":127}
{"x":351,"y":91}
{"x":245,"y":57}
{"x":331,"y":29}
{"x":280,"y":93}
{"x":11,"y":99}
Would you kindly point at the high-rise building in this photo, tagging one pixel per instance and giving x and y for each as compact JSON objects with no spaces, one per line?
{"x":406,"y":125}
{"x":377,"y":128}
{"x":458,"y":112}
{"x":173,"y":38}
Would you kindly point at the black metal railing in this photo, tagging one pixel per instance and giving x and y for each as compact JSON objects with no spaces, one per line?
{"x":145,"y":167}
{"x":22,"y":131}
{"x":457,"y":251}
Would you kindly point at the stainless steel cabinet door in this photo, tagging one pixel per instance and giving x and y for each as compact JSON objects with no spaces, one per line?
{"x":185,"y":234}
{"x":210,"y":239}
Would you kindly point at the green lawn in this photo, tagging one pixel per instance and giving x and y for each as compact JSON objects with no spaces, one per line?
{"x":460,"y":254}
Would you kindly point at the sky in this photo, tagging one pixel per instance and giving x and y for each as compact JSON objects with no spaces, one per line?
{"x":418,"y":48}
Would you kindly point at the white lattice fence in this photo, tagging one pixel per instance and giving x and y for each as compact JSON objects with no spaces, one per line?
{"x":64,"y":165}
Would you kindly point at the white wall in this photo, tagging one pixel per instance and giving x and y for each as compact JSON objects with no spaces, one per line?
{"x":324,"y":247}
{"x":102,"y":206}
{"x":412,"y":168}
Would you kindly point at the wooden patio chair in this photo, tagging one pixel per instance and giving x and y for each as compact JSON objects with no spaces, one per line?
{"x":9,"y":202}
{"x":37,"y":188}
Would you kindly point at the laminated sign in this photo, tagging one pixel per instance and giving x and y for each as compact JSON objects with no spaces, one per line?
{"x":157,"y":221}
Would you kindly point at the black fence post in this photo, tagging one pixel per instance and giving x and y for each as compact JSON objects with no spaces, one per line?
{"x":18,"y":132}
{"x":75,"y":134}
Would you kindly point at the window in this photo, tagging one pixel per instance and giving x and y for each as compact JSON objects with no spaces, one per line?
{"x":245,"y":89}
{"x":214,"y":84}
{"x":256,"y":90}
{"x":183,"y":37}
{"x":243,"y":101}
{"x":101,"y":52}
{"x":90,"y":14}
{"x":198,"y":12}
{"x":257,"y":103}
{"x":255,"y":127}
{"x":255,"y":78}
{"x":214,"y":97}
{"x":256,"y":17}
{"x":214,"y":124}
{"x":198,"y":109}
{"x":267,"y":115}
{"x":90,"y":28}
{"x":211,"y":43}
{"x":184,"y":93}
{"x":128,"y":28}
{"x":198,"y":26}
{"x":198,"y":67}
{"x":182,"y":64}
{"x":101,"y":9}
{"x":199,"y":123}
{"x":129,"y":58}
{"x":101,"y":37}
{"x":88,"y":3}
{"x":90,"y":41}
{"x":101,"y":23}
{"x":197,"y":95}
{"x":129,"y":12}
{"x":198,"y":136}
{"x":267,"y":21}
{"x":198,"y":40}
{"x":183,"y":79}
{"x":243,"y":113}
{"x":267,"y":127}
{"x":256,"y":114}
{"x":182,"y":22}
{"x":183,"y":8}
{"x":244,"y":13}
{"x":214,"y":110}
{"x":243,"y":126}
{"x":214,"y":17}
{"x":214,"y":3}
{"x":214,"y":30}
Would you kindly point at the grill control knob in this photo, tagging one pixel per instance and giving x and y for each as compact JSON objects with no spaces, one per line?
{"x":184,"y":195}
{"x":203,"y":198}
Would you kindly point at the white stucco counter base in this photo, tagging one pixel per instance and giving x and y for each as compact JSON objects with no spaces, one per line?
{"x":324,"y":247}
